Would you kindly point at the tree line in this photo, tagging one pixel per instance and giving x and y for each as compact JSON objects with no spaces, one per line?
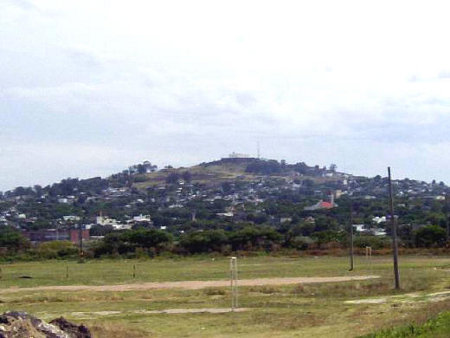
{"x":152,"y":242}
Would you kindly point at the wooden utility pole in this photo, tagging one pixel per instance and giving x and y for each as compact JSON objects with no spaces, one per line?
{"x":447,"y":213}
{"x":80,"y":239}
{"x":394,"y":231}
{"x":351,"y":237}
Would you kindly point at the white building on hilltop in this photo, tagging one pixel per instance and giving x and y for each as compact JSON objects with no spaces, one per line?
{"x":238,"y":155}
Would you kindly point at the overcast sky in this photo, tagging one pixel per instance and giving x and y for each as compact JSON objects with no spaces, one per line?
{"x":90,"y":87}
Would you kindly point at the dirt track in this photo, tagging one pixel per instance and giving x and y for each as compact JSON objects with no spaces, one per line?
{"x":192,"y":285}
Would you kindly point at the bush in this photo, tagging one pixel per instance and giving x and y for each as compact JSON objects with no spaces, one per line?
{"x":127,"y":242}
{"x":13,"y":240}
{"x":373,"y":241}
{"x":300,"y":242}
{"x":204,"y":241}
{"x":57,"y":249}
{"x":253,"y":238}
{"x":430,"y":236}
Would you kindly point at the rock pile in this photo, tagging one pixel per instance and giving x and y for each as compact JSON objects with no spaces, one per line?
{"x":15,"y":324}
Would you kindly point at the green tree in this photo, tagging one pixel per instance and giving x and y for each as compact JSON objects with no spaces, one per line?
{"x":57,"y":249}
{"x":430,"y":236}
{"x":204,"y":241}
{"x":12,"y":240}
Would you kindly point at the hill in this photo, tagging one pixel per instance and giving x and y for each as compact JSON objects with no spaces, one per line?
{"x":228,"y":194}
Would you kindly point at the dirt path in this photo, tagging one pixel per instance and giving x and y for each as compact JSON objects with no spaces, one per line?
{"x":89,"y":315}
{"x":191,"y":285}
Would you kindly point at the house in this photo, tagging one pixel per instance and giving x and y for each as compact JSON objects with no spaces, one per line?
{"x":71,"y":218}
{"x":75,"y":235}
{"x":374,"y":231}
{"x":47,"y":235}
{"x":359,"y":227}
{"x":379,"y":220}
{"x":322,"y":205}
{"x":225,"y":214}
{"x":379,"y":232}
{"x":142,"y":218}
{"x":103,"y":220}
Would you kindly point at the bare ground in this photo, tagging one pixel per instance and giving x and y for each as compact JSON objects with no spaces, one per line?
{"x":191,"y":285}
{"x":404,"y":298}
{"x":89,"y":315}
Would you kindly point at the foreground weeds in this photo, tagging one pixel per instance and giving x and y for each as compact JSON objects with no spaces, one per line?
{"x":434,"y":328}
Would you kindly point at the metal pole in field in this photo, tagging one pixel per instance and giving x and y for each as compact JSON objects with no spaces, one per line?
{"x":369,"y":256}
{"x":351,"y":237}
{"x":233,"y":281}
{"x":394,"y":231}
{"x":134,"y":270}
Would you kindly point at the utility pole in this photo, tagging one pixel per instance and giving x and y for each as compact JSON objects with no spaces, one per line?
{"x":80,"y":203}
{"x":394,"y":231}
{"x":234,"y":285}
{"x":351,"y":237}
{"x":447,"y":213}
{"x":80,"y":239}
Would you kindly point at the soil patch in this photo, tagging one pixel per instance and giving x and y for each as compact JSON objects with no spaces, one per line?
{"x":192,"y":285}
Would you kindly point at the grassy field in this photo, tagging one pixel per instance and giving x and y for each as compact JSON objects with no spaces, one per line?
{"x":436,"y":327}
{"x":311,"y":310}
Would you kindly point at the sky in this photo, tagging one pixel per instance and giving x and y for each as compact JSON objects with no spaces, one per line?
{"x":88,"y":88}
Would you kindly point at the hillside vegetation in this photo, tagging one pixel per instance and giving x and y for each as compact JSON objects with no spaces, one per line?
{"x":233,"y":204}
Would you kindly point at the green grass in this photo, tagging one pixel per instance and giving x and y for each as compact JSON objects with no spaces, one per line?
{"x":100,"y":272}
{"x":433,"y":328}
{"x":277,"y":311}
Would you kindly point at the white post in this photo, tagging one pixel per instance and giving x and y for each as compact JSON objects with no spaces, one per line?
{"x":233,"y":281}
{"x":369,"y":256}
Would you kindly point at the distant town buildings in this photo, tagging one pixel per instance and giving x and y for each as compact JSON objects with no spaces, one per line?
{"x":46,"y":235}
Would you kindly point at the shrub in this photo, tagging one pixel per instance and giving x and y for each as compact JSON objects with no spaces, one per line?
{"x":204,"y":241}
{"x":373,"y":241}
{"x":57,"y":249}
{"x":430,"y":236}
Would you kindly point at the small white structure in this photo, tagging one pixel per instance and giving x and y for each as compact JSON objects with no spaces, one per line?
{"x":142,"y":218}
{"x":104,"y":220}
{"x":238,"y":155}
{"x":379,"y":220}
{"x":359,"y":227}
{"x":225,"y":214}
{"x":71,"y":218}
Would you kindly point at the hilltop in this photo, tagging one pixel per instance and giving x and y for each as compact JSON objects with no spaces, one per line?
{"x":229,"y":169}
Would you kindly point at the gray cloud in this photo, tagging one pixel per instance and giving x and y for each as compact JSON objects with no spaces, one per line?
{"x":83,"y":93}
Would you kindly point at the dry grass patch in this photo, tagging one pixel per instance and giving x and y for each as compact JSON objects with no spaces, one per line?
{"x":117,"y":330}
